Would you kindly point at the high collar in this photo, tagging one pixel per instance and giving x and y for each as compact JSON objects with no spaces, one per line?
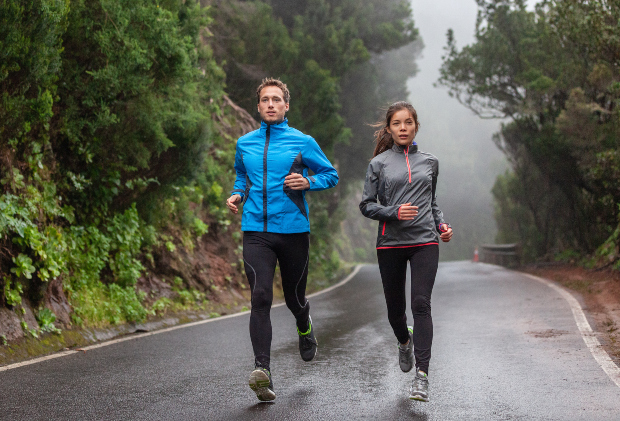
{"x":413,"y":148}
{"x":276,"y":126}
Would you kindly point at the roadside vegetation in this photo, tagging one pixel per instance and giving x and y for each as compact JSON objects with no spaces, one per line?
{"x":554,"y":75}
{"x":118,"y":122}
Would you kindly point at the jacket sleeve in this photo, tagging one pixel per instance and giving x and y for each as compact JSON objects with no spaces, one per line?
{"x":240,"y":181}
{"x":325,"y":175}
{"x":437,"y":213}
{"x":369,"y":206}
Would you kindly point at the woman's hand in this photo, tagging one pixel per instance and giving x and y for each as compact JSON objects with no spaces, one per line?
{"x":446,"y":236}
{"x":296,"y":182}
{"x":407,"y":212}
{"x":232,"y":201}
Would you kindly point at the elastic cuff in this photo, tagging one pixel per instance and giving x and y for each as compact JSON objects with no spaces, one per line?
{"x":399,"y":213}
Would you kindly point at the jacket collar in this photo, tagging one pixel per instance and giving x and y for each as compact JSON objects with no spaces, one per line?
{"x":283,"y":125}
{"x":413,"y":148}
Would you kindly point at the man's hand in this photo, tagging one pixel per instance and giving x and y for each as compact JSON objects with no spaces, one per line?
{"x":407,"y":212}
{"x":447,"y":235}
{"x":232,"y":201}
{"x":296,"y":182}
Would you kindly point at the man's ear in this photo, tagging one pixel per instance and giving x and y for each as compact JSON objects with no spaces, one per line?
{"x":286,"y":109}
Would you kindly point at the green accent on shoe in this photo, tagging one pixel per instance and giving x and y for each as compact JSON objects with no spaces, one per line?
{"x":309,"y":329}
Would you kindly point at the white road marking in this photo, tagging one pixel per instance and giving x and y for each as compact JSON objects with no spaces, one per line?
{"x":588,"y":335}
{"x":157,"y":332}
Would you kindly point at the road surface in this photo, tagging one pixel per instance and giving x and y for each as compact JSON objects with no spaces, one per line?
{"x":506,"y":347}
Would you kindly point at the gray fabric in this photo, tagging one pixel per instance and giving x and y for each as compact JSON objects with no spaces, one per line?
{"x":387,"y":187}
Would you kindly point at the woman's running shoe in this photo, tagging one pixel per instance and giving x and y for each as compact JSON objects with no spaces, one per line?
{"x":419,"y":388}
{"x":260,"y":382}
{"x":307,"y":342}
{"x":405,"y":353}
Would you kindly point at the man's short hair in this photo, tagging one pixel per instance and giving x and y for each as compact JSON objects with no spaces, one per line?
{"x":269,"y":81}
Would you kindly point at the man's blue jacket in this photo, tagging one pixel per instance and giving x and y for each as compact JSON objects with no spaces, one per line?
{"x":264,"y":157}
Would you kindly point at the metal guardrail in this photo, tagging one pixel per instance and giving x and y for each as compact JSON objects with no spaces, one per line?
{"x":500,"y":254}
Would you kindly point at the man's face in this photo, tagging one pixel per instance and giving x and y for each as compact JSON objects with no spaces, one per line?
{"x":271,"y":105}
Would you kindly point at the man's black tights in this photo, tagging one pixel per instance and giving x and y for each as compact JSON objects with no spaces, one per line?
{"x":261,"y":251}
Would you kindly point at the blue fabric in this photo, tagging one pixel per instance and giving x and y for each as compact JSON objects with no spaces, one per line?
{"x":289,"y":150}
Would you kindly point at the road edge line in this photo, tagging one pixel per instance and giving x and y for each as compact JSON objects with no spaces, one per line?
{"x":596,"y":349}
{"x":168,"y":329}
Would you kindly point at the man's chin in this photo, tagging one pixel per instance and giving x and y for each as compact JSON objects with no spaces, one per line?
{"x":273,"y":120}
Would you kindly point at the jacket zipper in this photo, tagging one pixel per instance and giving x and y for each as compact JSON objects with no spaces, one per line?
{"x":383,"y":232}
{"x":267,"y":135}
{"x":408,"y":167}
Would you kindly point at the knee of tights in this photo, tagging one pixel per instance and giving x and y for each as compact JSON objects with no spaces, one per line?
{"x":421,"y":305}
{"x":261,"y":298}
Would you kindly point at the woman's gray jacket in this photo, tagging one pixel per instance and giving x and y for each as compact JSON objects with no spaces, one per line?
{"x":397,"y":176}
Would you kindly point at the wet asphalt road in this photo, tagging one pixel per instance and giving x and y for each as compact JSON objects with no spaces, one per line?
{"x":506,"y":347}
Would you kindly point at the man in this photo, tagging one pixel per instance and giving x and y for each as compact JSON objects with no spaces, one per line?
{"x":272,"y":179}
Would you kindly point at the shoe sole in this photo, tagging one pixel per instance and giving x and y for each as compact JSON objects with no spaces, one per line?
{"x":259,"y":383}
{"x":311,"y":358}
{"x":419,"y":398}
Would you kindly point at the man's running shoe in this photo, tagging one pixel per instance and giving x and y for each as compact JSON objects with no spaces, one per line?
{"x":260,"y":382}
{"x":419,"y":388}
{"x":307,"y":342}
{"x":405,"y":353}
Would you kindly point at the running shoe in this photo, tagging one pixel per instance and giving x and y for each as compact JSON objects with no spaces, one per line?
{"x":405,"y":353}
{"x":261,"y":383}
{"x":307,"y":342}
{"x":419,"y":388}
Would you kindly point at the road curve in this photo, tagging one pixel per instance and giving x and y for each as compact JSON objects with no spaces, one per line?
{"x":506,"y":347}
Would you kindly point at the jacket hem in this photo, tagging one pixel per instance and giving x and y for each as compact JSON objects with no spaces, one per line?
{"x":402,"y":247}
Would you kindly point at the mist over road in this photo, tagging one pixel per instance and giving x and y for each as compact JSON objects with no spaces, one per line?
{"x":506,"y":347}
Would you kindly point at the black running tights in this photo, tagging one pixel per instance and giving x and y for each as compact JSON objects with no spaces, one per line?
{"x":393,"y":268}
{"x":261,"y":250}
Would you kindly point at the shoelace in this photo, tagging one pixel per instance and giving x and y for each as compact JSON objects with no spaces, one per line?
{"x":307,"y":341}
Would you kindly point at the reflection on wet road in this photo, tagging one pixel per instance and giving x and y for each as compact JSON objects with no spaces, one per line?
{"x":493,"y":359}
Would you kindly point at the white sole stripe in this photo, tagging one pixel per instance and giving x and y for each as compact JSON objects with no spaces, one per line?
{"x":157,"y":332}
{"x":588,"y":335}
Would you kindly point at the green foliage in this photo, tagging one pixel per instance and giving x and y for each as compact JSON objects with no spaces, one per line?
{"x":117,"y":131}
{"x":101,"y":305}
{"x":12,"y":295}
{"x":554,"y":73}
{"x":46,"y":318}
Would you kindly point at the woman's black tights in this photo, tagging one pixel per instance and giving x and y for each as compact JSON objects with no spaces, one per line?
{"x":393,"y":268}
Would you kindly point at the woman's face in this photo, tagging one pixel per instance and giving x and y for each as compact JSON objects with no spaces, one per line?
{"x":402,"y":127}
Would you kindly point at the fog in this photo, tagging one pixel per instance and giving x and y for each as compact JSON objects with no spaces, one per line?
{"x":469,"y":161}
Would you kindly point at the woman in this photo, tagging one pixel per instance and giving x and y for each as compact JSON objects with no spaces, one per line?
{"x":400,"y":193}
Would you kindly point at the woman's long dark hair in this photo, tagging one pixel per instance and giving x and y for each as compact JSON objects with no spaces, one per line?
{"x":383,"y":138}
